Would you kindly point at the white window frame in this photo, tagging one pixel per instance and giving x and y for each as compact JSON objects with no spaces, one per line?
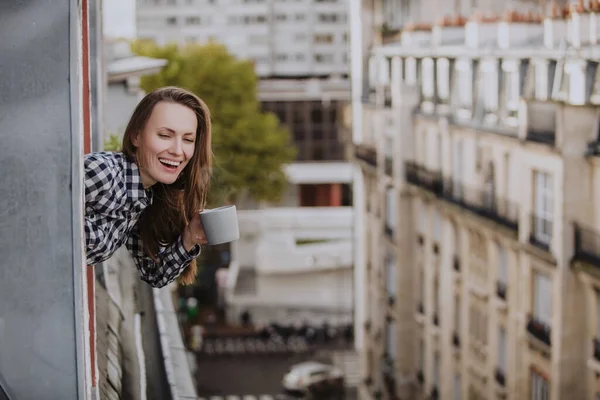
{"x":544,"y":207}
{"x":540,"y":387}
{"x":542,"y":298}
{"x":443,"y":79}
{"x":502,"y":349}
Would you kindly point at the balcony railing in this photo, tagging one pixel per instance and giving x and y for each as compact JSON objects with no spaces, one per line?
{"x":501,"y":290}
{"x":500,"y":378}
{"x":545,"y":137}
{"x":482,"y":203}
{"x":456,"y":339}
{"x":422,"y":177}
{"x":596,"y":349}
{"x":366,"y":153}
{"x":388,"y":166}
{"x":541,"y":232}
{"x":587,"y":245}
{"x":420,"y":377}
{"x":389,"y":231}
{"x":540,"y":330}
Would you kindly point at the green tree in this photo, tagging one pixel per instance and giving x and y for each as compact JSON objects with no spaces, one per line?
{"x":250,"y":146}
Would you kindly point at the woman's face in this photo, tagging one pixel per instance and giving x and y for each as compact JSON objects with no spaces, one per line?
{"x":166,"y":144}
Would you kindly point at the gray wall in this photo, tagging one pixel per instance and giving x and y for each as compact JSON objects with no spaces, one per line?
{"x":40,"y":211}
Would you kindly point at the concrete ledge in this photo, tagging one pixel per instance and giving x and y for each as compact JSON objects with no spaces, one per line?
{"x":175,"y":359}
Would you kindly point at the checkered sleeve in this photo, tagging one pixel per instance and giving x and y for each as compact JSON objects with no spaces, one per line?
{"x":170,"y":262}
{"x":101,"y":175}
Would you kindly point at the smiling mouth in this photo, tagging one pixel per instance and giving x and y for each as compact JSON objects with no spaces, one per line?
{"x":170,"y":165}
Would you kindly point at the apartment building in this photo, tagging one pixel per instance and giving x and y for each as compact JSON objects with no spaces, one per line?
{"x":285,"y":38}
{"x":475,"y":141}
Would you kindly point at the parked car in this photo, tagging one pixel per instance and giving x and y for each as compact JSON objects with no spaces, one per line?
{"x":314,"y":379}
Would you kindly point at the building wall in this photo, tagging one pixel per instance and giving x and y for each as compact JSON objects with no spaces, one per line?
{"x":42,"y":270}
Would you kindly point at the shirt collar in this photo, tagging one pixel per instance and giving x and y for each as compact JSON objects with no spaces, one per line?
{"x":133,"y":182}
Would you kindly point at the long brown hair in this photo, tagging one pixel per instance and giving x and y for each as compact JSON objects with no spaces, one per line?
{"x":173,"y":205}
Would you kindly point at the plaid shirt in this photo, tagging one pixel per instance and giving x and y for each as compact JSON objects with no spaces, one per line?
{"x":114,"y":201}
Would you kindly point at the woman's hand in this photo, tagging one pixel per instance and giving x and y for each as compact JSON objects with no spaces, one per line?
{"x":193,"y":233}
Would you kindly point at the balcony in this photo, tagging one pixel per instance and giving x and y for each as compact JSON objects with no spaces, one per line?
{"x":541,"y":232}
{"x":541,"y":122}
{"x":539,"y":330}
{"x":482,"y":203}
{"x":596,"y":343}
{"x":366,"y":154}
{"x":587,"y":245}
{"x":422,"y":177}
{"x":501,"y":290}
{"x":500,"y":377}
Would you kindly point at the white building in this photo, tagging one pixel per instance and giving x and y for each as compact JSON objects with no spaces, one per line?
{"x":284,"y":38}
{"x":476,"y":178}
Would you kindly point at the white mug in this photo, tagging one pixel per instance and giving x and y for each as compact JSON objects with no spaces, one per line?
{"x":220,"y":225}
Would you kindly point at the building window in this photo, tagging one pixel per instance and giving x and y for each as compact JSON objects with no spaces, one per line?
{"x":543,"y":206}
{"x":457,"y":387}
{"x":422,"y":216}
{"x":171,"y":21}
{"x":323,"y":38}
{"x":443,"y":79}
{"x":502,"y":350}
{"x":437,"y":226}
{"x":540,"y":387}
{"x":390,"y":210}
{"x":390,"y":336}
{"x":436,"y":369}
{"x":456,"y":314}
{"x":457,"y":167}
{"x":421,"y":355}
{"x":324,"y":58}
{"x":502,"y":265}
{"x":542,"y":298}
{"x":391,"y":275}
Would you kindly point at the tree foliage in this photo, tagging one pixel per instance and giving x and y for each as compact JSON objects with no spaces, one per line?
{"x":250,"y":146}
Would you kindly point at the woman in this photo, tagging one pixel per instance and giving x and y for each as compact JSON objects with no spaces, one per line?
{"x":148,"y":196}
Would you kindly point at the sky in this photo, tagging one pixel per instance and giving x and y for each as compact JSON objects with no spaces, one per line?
{"x":118,"y":18}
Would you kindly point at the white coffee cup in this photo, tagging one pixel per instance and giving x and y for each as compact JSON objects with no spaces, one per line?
{"x":220,"y":225}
